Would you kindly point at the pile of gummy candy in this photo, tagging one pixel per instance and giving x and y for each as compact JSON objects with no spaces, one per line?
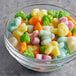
{"x":43,"y":34}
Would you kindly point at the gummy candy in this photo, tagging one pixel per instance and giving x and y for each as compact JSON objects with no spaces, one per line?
{"x":71,"y":41}
{"x":14,"y":25}
{"x":42,"y":49}
{"x":20,"y":14}
{"x":29,"y":53}
{"x":25,"y":38}
{"x":52,"y":48}
{"x":46,"y":20}
{"x":30,"y":28}
{"x":43,"y":34}
{"x":19,"y":31}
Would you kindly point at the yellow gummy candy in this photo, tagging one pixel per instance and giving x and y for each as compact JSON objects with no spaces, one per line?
{"x":55,"y":22}
{"x":22,"y":28}
{"x":43,"y":12}
{"x":48,"y":49}
{"x":37,"y":12}
{"x":52,"y":48}
{"x":54,"y":43}
{"x":33,"y":47}
{"x":19,"y":31}
{"x":55,"y":51}
{"x":17,"y":34}
{"x":54,"y":30}
{"x":62,"y":29}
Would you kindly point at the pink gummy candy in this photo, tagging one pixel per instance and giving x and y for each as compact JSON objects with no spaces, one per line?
{"x":39,"y":56}
{"x":34,"y":38}
{"x":46,"y":57}
{"x":35,"y":33}
{"x":70,"y":25}
{"x":43,"y":57}
{"x":63,"y":20}
{"x":35,"y":41}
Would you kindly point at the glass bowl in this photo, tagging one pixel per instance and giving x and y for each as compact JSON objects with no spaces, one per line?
{"x":31,"y":63}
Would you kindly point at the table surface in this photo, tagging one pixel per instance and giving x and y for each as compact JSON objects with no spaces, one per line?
{"x":8,"y":65}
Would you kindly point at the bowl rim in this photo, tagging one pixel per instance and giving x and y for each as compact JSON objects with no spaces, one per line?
{"x":26,"y":57}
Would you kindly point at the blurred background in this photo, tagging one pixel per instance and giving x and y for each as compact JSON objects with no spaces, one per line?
{"x":8,"y":65}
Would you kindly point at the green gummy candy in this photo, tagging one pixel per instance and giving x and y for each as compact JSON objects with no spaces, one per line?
{"x":69,"y":52}
{"x":74,"y":30}
{"x":29,"y":53}
{"x":29,"y":16}
{"x":25,"y":38}
{"x":20,"y":14}
{"x":52,"y":12}
{"x":46,"y":20}
{"x":42,"y":49}
{"x":63,"y":14}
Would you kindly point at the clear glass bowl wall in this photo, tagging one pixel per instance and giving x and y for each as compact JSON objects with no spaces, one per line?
{"x":31,"y":63}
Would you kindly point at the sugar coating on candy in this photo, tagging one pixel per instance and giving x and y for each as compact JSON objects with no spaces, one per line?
{"x":14,"y":24}
{"x":63,"y":20}
{"x":71,"y":41}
